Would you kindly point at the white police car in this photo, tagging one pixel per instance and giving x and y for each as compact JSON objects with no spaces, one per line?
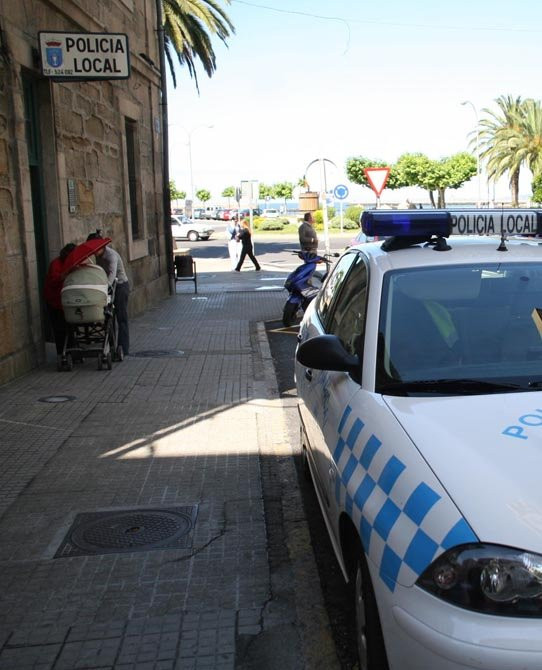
{"x":419,"y":375}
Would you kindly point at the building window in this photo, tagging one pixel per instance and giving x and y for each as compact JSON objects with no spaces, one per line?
{"x":133,"y":182}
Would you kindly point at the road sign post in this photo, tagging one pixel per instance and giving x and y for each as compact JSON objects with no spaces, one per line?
{"x":341,"y":192}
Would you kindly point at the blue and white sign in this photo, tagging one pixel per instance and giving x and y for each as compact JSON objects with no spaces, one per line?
{"x":340,"y":192}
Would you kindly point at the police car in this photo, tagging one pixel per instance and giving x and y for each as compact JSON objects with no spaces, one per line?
{"x":419,"y":376}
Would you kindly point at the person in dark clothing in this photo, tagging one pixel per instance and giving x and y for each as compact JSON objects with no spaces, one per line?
{"x":308,"y":239}
{"x":51,"y":293}
{"x":246,"y":247}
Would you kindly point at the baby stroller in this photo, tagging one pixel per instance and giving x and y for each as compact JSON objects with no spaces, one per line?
{"x":88,"y":304}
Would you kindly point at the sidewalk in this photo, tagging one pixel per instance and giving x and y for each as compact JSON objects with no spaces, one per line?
{"x":190,"y":548}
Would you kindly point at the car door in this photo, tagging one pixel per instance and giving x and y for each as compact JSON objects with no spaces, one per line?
{"x":178,"y":229}
{"x":340,"y":310}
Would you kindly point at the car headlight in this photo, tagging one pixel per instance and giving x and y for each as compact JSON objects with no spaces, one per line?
{"x":487,"y":578}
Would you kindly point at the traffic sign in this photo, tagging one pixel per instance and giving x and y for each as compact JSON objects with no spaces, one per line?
{"x":377,"y":178}
{"x":340,"y":192}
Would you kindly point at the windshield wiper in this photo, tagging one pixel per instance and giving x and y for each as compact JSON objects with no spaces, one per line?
{"x":449,"y":386}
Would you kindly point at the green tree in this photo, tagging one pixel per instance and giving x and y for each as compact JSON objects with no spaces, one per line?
{"x":203,"y":195}
{"x":435,"y":175}
{"x":174,"y":192}
{"x":498,"y":139}
{"x":228,"y":192}
{"x":264,"y":190}
{"x":284,"y":190}
{"x":188,"y":28}
{"x":536,"y":185}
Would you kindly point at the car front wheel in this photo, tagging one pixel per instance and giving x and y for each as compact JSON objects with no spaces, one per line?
{"x":369,"y":638}
{"x":193,"y":236}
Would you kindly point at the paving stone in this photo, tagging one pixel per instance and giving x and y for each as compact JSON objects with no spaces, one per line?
{"x":149,"y":433}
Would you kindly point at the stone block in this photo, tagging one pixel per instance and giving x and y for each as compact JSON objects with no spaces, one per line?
{"x":94,"y":128}
{"x":4,"y":162}
{"x":7,"y":336}
{"x":6,"y":200}
{"x":14,"y":279}
{"x":83,"y":105}
{"x":108,"y":195}
{"x":92,"y":166}
{"x":85,"y":193}
{"x":71,"y":122}
{"x":110,"y":168}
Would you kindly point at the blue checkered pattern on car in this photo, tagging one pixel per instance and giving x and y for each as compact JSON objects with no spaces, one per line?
{"x":404,"y":523}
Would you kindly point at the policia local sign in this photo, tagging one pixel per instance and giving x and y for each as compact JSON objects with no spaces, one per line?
{"x":496,"y":222}
{"x":84,"y":56}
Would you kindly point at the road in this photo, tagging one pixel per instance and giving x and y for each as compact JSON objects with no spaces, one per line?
{"x":271,"y":250}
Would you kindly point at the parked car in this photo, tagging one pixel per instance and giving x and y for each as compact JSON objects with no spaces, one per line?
{"x":199,"y":213}
{"x":210,"y":212}
{"x":271,"y":213}
{"x":419,"y":375}
{"x":255,"y":212}
{"x":360,"y":238}
{"x":229,"y":214}
{"x":183,"y":228}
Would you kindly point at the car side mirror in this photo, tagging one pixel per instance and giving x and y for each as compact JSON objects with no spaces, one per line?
{"x":326,"y":352}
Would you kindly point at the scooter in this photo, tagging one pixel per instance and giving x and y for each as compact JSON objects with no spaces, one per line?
{"x":303,"y":284}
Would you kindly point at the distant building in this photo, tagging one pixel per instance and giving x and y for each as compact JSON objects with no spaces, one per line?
{"x":75,"y":156}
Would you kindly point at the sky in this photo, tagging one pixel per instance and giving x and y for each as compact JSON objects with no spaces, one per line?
{"x":306,"y":79}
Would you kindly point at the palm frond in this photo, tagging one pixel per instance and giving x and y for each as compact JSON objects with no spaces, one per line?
{"x":189,"y":26}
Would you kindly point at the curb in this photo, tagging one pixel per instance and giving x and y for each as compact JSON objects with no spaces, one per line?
{"x":315,"y":630}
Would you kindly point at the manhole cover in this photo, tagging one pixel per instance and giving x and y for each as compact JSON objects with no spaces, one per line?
{"x":159,"y":353}
{"x":57,"y":398}
{"x":126,"y":531}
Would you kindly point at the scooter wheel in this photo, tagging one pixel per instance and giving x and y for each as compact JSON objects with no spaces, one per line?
{"x":288,"y":314}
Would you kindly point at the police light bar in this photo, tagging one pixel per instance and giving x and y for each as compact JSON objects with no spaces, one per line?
{"x":443,"y":223}
{"x":406,"y":223}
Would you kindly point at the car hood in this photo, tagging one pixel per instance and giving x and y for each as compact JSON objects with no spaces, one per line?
{"x":487,"y":453}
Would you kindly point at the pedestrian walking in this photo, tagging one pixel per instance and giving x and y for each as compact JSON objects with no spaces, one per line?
{"x":246,"y":247}
{"x":51,"y":293}
{"x":111,"y":261}
{"x":308,"y":239}
{"x":234,"y":245}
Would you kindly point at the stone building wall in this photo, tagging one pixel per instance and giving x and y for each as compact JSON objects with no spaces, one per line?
{"x":82,"y":150}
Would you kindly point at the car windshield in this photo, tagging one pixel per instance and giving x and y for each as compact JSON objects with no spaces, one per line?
{"x":469,"y":329}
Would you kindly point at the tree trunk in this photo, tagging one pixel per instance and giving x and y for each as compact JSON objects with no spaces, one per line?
{"x":432,"y":198}
{"x":514,"y":188}
{"x":441,"y":200}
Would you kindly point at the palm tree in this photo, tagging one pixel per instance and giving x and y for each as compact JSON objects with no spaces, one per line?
{"x":528,"y":142}
{"x":188,"y":27}
{"x":498,"y":135}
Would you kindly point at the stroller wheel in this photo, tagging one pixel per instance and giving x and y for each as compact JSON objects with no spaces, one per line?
{"x":109,"y":360}
{"x":100,"y":361}
{"x":69,"y":362}
{"x":120,"y":353}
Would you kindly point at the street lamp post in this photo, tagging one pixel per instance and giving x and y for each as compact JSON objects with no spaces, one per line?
{"x":478,"y":165}
{"x":189,"y":134}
